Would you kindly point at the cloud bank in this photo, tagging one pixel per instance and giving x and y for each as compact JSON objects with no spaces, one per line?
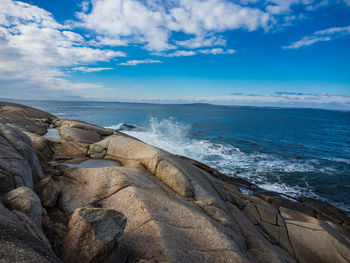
{"x":151,"y":23}
{"x":35,"y":48}
{"x":37,"y":52}
{"x":278,"y":99}
{"x":199,"y":23}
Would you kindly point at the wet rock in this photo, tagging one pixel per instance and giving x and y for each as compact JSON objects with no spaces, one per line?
{"x":93,"y":236}
{"x":127,"y":127}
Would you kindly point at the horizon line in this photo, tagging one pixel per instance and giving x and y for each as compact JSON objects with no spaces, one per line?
{"x":168,"y":103}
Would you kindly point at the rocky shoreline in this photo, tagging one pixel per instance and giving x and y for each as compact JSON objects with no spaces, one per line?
{"x":144,"y":204}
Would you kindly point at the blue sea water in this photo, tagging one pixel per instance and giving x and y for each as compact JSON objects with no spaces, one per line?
{"x":292,"y":151}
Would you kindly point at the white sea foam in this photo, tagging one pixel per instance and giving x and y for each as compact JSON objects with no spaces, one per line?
{"x":116,"y":127}
{"x":172,"y":136}
{"x":338,"y":160}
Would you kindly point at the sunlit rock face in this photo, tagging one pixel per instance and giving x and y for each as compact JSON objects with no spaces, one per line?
{"x":97,"y":195}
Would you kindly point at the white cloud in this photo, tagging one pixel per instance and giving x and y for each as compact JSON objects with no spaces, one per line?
{"x":199,"y":17}
{"x":85,"y":6}
{"x":279,"y":99}
{"x":87,"y":70}
{"x":34,"y":48}
{"x":155,"y":24}
{"x":188,"y":53}
{"x":334,"y":30}
{"x":151,"y":23}
{"x":106,"y":41}
{"x":137,"y":62}
{"x":178,"y":53}
{"x":217,"y":51}
{"x":320,"y":36}
{"x":198,"y":42}
{"x":294,"y":99}
{"x":14,"y":12}
{"x":127,"y":20}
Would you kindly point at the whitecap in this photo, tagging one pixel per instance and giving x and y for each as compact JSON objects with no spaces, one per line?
{"x":263,"y":169}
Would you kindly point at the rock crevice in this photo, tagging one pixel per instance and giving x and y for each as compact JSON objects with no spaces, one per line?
{"x":155,"y":207}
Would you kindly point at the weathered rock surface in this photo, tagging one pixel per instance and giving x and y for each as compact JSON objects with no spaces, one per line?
{"x":84,"y":126}
{"x":33,"y":228}
{"x":23,"y":145}
{"x":19,"y":164}
{"x":77,"y":137}
{"x":93,"y":236}
{"x":17,"y":244}
{"x":177,"y":209}
{"x":48,"y":191}
{"x":24,"y":118}
{"x":14,"y":169}
{"x":26,"y":201}
{"x":168,"y":168}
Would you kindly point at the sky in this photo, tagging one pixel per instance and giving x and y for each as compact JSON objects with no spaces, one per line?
{"x":287,"y":53}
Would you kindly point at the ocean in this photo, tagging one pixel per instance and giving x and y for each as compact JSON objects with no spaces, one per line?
{"x":298,"y":152}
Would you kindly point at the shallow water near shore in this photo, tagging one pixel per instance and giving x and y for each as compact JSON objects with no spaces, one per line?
{"x":292,"y":151}
{"x":52,"y":134}
{"x":91,"y":163}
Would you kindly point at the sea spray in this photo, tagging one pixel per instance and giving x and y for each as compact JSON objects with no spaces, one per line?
{"x":268,"y":171}
{"x":293,"y":151}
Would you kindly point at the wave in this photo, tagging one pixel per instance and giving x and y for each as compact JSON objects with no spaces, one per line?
{"x":124,"y":127}
{"x":173,"y":136}
{"x":268,"y":171}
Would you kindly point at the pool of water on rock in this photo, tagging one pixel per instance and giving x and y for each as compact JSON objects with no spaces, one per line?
{"x":52,"y":134}
{"x":94,"y":163}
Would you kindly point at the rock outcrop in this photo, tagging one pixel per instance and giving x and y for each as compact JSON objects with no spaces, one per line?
{"x":93,"y":236}
{"x":154,"y":207}
{"x":20,"y":239}
{"x":24,"y":199}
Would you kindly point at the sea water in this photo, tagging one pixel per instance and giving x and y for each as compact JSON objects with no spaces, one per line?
{"x":292,"y":151}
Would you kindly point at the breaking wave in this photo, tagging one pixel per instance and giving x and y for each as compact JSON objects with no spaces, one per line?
{"x":268,"y":171}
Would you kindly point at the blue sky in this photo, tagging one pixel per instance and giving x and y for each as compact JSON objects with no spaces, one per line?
{"x":292,"y":53}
